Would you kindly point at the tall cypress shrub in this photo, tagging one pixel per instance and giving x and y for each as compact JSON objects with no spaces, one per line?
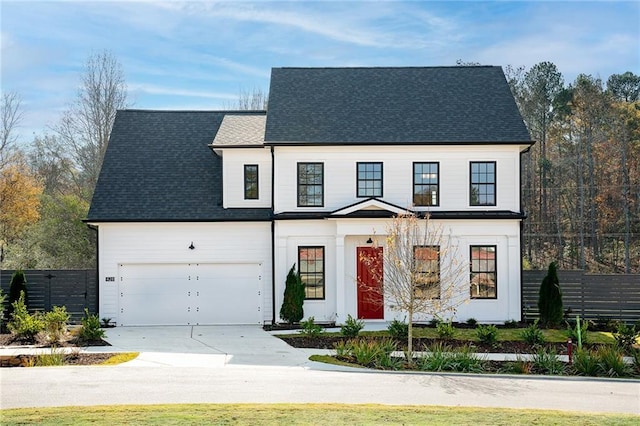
{"x":18,"y":284}
{"x":550,"y":298}
{"x":291,"y":310}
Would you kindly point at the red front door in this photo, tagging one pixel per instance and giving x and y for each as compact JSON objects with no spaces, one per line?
{"x":369,"y":278}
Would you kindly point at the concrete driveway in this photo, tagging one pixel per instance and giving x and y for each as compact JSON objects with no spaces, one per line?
{"x":202,"y":346}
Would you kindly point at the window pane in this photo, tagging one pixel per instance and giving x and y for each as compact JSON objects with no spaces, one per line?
{"x":369,"y":179}
{"x":311,"y":268}
{"x":483,"y":272}
{"x":425,"y":184}
{"x":310,"y":182}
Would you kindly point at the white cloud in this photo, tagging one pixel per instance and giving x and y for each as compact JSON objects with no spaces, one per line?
{"x":169,"y":91}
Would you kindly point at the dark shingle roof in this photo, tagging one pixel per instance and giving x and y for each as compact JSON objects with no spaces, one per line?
{"x":158,"y":167}
{"x":396,"y":105}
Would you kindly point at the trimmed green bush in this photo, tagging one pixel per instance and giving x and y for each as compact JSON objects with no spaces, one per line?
{"x":533,"y":335}
{"x":310,"y":328}
{"x":292,"y":310}
{"x":487,"y":334}
{"x":90,"y":329}
{"x":17,"y":286}
{"x":23,"y":324}
{"x":626,"y":335}
{"x":398,"y":329}
{"x":55,"y":323}
{"x":351,"y":327}
{"x":550,"y":298}
{"x":445,"y":330}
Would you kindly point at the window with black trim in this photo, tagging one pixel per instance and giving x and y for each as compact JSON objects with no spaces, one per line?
{"x":250,"y":181}
{"x":483,"y":183}
{"x":427,"y":271}
{"x":483,"y":272}
{"x":369,"y":179}
{"x":311,"y":269}
{"x":310,"y":184}
{"x":426,"y":184}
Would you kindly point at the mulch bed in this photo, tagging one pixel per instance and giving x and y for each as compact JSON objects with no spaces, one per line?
{"x":67,"y":341}
{"x":329,"y":342}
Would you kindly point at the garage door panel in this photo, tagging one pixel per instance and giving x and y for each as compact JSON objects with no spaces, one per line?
{"x":168,"y":294}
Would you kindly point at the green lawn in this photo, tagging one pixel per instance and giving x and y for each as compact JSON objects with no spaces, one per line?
{"x":302,"y":414}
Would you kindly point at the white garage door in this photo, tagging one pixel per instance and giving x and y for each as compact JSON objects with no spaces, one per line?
{"x":187,"y":294}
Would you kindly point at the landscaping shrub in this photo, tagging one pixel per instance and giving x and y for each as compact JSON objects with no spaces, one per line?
{"x":519,"y":366}
{"x":532,"y":335}
{"x":90,"y":329}
{"x":17,"y":287}
{"x":611,"y":362}
{"x":398,"y":329}
{"x":626,"y":336}
{"x":441,"y":357}
{"x":343,"y":348}
{"x":292,"y":310}
{"x":53,"y":359}
{"x":310,"y":328}
{"x":548,"y":362}
{"x":487,"y":334}
{"x":366,"y":352}
{"x":585,"y":363}
{"x":445,"y":330}
{"x":55,"y":323}
{"x":3,"y":297}
{"x":351,"y":327}
{"x":550,"y":298}
{"x":22,"y":323}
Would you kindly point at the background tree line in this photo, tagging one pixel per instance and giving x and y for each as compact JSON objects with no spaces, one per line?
{"x":46,"y":187}
{"x":580,"y":182}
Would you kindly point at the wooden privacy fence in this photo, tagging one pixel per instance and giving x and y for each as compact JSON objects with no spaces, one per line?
{"x":74,"y":289}
{"x":592,"y":296}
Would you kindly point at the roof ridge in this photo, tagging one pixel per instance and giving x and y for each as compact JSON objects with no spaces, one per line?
{"x":191,"y":111}
{"x":391,"y":67}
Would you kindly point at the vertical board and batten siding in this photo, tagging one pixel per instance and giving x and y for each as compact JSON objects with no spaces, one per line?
{"x":592,"y":296}
{"x":74,"y":289}
{"x":168,"y":243}
{"x":340,"y":174}
{"x":233,"y":177}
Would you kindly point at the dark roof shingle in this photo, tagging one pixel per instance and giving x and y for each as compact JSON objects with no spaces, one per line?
{"x":392,"y":105}
{"x":158,"y":167}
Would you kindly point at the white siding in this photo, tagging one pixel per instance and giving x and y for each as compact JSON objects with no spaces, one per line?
{"x":341,"y":238}
{"x":340,"y":174}
{"x":233,"y":162}
{"x":168,"y":243}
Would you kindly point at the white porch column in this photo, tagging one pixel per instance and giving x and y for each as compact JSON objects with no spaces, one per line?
{"x":341,"y":314}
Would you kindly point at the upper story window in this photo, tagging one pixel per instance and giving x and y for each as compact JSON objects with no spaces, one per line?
{"x":427,"y":271}
{"x":250,"y":181}
{"x":310,"y":184}
{"x":483,"y":183}
{"x":311,"y":270}
{"x":483,"y":272}
{"x":426,"y":184}
{"x":369,"y":177}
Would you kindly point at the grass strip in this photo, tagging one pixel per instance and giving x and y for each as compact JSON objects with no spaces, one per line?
{"x":303,"y":414}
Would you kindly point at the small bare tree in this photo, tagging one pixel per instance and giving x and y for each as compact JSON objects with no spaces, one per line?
{"x":422,"y":273}
{"x":249,"y":100}
{"x":10,"y":114}
{"x":85,"y":127}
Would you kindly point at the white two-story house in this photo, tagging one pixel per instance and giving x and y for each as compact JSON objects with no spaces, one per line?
{"x":200,"y":215}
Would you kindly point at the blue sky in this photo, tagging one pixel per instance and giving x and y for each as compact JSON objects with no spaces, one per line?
{"x":201,"y":54}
